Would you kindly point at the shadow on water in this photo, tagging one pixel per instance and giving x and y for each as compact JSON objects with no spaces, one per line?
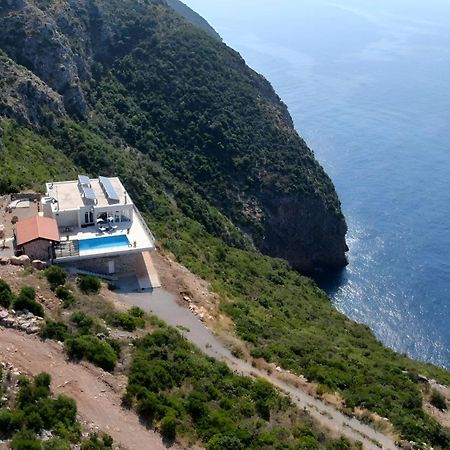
{"x":331,"y":281}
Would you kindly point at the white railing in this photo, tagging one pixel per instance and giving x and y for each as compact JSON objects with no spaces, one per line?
{"x":144,"y":224}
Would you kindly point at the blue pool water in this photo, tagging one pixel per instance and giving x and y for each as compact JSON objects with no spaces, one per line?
{"x":104,"y":242}
{"x":368,"y":85}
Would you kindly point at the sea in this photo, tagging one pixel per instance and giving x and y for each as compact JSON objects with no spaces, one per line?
{"x":367,"y":83}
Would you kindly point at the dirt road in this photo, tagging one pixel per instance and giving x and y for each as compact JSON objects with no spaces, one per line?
{"x":165,"y":305}
{"x":97,"y":393}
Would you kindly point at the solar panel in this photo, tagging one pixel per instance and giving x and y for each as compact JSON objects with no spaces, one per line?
{"x":109,"y":189}
{"x":88,"y":193}
{"x":84,"y":180}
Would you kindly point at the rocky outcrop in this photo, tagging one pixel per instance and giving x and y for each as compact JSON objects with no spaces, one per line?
{"x":301,"y":230}
{"x":20,"y":320}
{"x":32,"y":39}
{"x":25,"y":98}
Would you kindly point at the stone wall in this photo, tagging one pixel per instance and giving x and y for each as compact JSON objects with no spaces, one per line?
{"x":37,"y":249}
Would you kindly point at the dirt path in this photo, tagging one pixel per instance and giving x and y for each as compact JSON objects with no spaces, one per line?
{"x":97,"y":393}
{"x":165,"y":305}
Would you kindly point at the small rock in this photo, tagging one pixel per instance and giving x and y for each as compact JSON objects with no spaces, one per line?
{"x":38,"y":264}
{"x":23,"y":260}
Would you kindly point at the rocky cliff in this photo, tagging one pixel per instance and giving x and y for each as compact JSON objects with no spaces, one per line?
{"x":143,"y":77}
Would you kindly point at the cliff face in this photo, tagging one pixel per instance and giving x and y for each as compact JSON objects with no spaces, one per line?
{"x":145,"y":78}
{"x":302,"y":232}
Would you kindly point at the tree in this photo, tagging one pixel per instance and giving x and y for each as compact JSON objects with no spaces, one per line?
{"x":6,"y":295}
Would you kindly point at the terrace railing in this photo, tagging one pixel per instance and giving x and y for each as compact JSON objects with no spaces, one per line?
{"x":66,"y":248}
{"x":144,"y":224}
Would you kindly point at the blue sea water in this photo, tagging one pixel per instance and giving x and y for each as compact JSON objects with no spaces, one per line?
{"x":368,"y":85}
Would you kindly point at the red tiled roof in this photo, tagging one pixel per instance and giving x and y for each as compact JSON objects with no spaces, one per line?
{"x":36,"y":227}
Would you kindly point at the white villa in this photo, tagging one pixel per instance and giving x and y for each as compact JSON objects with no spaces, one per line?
{"x":101,"y":230}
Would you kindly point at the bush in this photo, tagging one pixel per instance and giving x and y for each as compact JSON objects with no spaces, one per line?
{"x":57,"y":443}
{"x":64,"y":293}
{"x":168,"y":428}
{"x":89,"y":284}
{"x":93,"y":349}
{"x":25,"y":440}
{"x":438,"y":400}
{"x":221,"y":442}
{"x":26,"y":301}
{"x":135,"y":311}
{"x":6,"y":295}
{"x":34,"y":422}
{"x":55,"y":276}
{"x":56,"y":331}
{"x":83,"y":322}
{"x":96,"y":443}
{"x":127,"y":321}
{"x":10,"y":421}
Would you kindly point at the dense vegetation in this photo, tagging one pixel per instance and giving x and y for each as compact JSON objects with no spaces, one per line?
{"x":282,"y":316}
{"x":184,"y":392}
{"x":197,"y":152}
{"x":188,"y":105}
{"x":30,"y":409}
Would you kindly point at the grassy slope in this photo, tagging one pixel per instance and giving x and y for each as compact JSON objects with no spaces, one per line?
{"x":173,"y":383}
{"x":27,"y":160}
{"x":283,"y":316}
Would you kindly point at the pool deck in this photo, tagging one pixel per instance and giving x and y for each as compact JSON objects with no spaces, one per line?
{"x":138,"y":235}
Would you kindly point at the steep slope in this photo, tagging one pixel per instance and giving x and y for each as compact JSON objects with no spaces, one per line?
{"x":189,"y":103}
{"x":192,"y":17}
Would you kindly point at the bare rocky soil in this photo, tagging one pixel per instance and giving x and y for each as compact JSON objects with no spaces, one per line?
{"x":97,"y":393}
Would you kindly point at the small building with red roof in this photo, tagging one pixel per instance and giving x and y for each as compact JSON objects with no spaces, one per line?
{"x":36,"y":236}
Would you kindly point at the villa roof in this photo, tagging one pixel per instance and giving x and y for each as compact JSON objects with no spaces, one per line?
{"x":36,"y":227}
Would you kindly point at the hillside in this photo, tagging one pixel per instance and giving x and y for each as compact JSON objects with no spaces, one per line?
{"x":192,"y":17}
{"x":208,"y":152}
{"x":147,"y":79}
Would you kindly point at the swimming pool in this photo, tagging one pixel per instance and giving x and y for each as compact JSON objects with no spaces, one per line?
{"x":104,"y":242}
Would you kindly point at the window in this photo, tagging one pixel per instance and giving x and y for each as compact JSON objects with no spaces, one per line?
{"x":88,"y":217}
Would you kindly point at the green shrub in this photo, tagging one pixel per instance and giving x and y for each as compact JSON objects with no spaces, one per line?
{"x":25,"y":440}
{"x":34,"y":422}
{"x":224,"y":442}
{"x":83,"y":321}
{"x":56,"y":331}
{"x":10,"y":421}
{"x":64,"y":293}
{"x":93,"y":349}
{"x":341,"y":444}
{"x":26,"y":301}
{"x":89,"y":284}
{"x":127,"y":321}
{"x":135,"y":311}
{"x":115,"y":345}
{"x":438,"y":400}
{"x":57,"y":443}
{"x":308,"y":443}
{"x":55,"y":276}
{"x":168,"y":428}
{"x":6,"y":295}
{"x":96,"y":443}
